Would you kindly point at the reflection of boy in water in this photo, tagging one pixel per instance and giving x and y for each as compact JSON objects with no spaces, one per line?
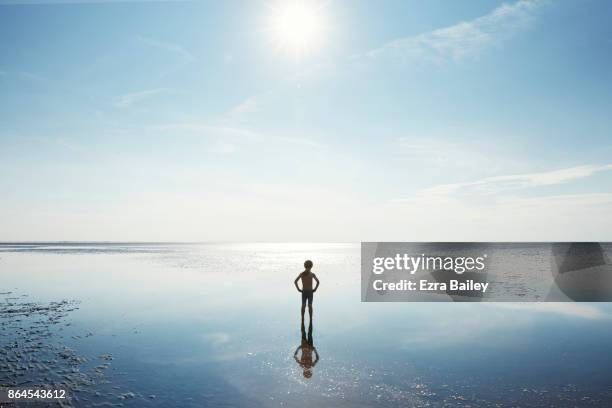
{"x":307,"y":348}
{"x":307,"y":291}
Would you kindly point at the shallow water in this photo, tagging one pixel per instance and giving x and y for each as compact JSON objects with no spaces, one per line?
{"x":218,"y":324}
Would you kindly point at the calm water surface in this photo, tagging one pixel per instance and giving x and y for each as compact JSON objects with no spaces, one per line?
{"x":218,"y":325}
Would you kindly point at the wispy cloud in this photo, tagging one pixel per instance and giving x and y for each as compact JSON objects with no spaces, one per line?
{"x":465,"y":38}
{"x":169,"y":47}
{"x":490,"y":185}
{"x":129,"y":99}
{"x":222,"y":147}
{"x":512,"y":207}
{"x":250,"y":105}
{"x":70,"y":145}
{"x":232,"y":136}
{"x":297,"y":141}
{"x":576,"y":201}
{"x":208,"y":130}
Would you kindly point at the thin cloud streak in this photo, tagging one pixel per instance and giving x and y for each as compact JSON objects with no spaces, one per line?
{"x":236,"y":133}
{"x":168,"y":47}
{"x":209,"y":130}
{"x":249,"y":105}
{"x":577,"y":201}
{"x":465,"y":38}
{"x":129,"y":99}
{"x":221,"y":147}
{"x":496,"y":184}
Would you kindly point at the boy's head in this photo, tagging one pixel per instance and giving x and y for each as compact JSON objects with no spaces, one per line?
{"x":308,"y":265}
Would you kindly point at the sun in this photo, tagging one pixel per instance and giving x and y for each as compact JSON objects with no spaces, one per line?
{"x":297,"y":26}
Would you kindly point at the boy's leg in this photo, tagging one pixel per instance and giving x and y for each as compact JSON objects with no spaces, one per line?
{"x":303,"y":306}
{"x":310,"y":305}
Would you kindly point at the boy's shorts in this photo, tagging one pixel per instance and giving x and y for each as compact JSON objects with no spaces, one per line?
{"x":307,"y":295}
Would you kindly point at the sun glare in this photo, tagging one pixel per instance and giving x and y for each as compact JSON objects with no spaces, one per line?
{"x":297,"y":26}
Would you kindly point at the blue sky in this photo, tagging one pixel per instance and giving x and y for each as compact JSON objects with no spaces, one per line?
{"x":406,"y":120}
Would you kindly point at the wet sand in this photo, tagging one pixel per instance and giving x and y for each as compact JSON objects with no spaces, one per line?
{"x":34,"y":354}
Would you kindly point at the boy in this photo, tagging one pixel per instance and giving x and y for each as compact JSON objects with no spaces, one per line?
{"x":307,"y":291}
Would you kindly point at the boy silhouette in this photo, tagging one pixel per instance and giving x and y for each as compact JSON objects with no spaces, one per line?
{"x":307,"y":291}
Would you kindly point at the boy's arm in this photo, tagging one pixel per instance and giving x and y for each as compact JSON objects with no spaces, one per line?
{"x":295,"y":355}
{"x":317,"y":280}
{"x":296,"y":281}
